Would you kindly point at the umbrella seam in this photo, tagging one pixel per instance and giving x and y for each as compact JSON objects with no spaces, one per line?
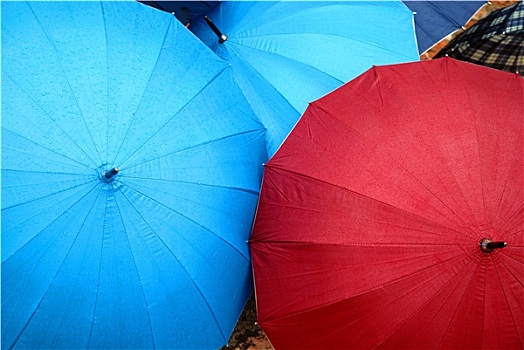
{"x":131,"y":122}
{"x":469,"y":234}
{"x":367,"y":290}
{"x":182,"y":108}
{"x":352,"y":191}
{"x":51,"y":118}
{"x":59,"y":61}
{"x":180,"y":263}
{"x":507,"y":303}
{"x":42,"y":146}
{"x":424,"y":305}
{"x":191,"y":220}
{"x":448,"y":328}
{"x":193,"y":146}
{"x":56,"y":274}
{"x":140,"y":278}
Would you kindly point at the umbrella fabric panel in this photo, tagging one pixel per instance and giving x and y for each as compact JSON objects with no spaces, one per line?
{"x":369,"y":242}
{"x":503,"y":52}
{"x":287,"y":54}
{"x":396,"y":128}
{"x":495,"y":41}
{"x":434,"y":20}
{"x":156,"y":258}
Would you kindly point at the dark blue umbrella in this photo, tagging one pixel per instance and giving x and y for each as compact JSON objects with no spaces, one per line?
{"x":131,"y":165}
{"x":184,"y":11}
{"x":434,"y":20}
{"x":286,"y":54}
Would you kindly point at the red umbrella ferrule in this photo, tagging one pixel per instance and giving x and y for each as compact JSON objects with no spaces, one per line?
{"x":488,"y":246}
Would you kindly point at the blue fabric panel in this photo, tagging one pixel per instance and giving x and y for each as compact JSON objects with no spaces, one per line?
{"x":287,"y":54}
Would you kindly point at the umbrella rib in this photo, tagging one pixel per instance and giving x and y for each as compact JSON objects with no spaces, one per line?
{"x":398,"y":298}
{"x":145,"y":89}
{"x":193,"y":147}
{"x":191,"y":220}
{"x":180,"y":263}
{"x":398,"y":279}
{"x":57,"y":271}
{"x":245,"y":18}
{"x":240,"y":189}
{"x":507,"y":268}
{"x":66,"y":78}
{"x":32,"y":154}
{"x":471,"y":234}
{"x":344,"y":268}
{"x":256,"y":73}
{"x":107,"y":82}
{"x":470,"y":103}
{"x":284,"y":58}
{"x":416,"y":312}
{"x":41,"y":172}
{"x":50,"y":118}
{"x":91,"y":208}
{"x":98,"y":281}
{"x":174,"y":115}
{"x":363,"y":195}
{"x":448,"y":328}
{"x":45,"y":228}
{"x":507,"y":301}
{"x":517,"y":212}
{"x":136,"y":267}
{"x":49,"y":195}
{"x":505,"y":190}
{"x":440,"y":234}
{"x":238,"y":41}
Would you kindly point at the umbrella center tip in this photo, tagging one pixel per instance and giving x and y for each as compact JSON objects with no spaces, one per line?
{"x":488,"y":246}
{"x":108,"y":176}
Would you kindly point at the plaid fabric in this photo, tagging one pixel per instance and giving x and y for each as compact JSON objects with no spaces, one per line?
{"x":496,"y":41}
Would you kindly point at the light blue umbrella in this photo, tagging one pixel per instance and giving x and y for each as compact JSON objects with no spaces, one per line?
{"x":287,"y":54}
{"x":131,"y":165}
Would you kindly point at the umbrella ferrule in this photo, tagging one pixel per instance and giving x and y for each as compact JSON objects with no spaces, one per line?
{"x":488,"y":246}
{"x":221,"y":37}
{"x":109,"y":175}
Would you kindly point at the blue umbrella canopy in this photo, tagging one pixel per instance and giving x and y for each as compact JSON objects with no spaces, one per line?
{"x":286,"y":54}
{"x":131,"y":165}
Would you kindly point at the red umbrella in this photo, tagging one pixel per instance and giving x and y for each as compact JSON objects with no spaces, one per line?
{"x":375,"y":215}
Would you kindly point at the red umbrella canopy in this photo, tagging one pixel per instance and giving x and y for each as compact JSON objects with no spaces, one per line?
{"x":372,"y":216}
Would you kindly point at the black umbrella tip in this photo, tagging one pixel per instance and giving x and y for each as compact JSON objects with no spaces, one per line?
{"x":109,"y":175}
{"x":488,"y":246}
{"x":222,"y":38}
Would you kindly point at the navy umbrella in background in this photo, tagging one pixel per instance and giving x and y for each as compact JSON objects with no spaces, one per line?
{"x":434,"y":20}
{"x":131,"y":165}
{"x":184,"y":11}
{"x":289,"y":53}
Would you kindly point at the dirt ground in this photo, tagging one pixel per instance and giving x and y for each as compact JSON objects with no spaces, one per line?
{"x":247,"y":335}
